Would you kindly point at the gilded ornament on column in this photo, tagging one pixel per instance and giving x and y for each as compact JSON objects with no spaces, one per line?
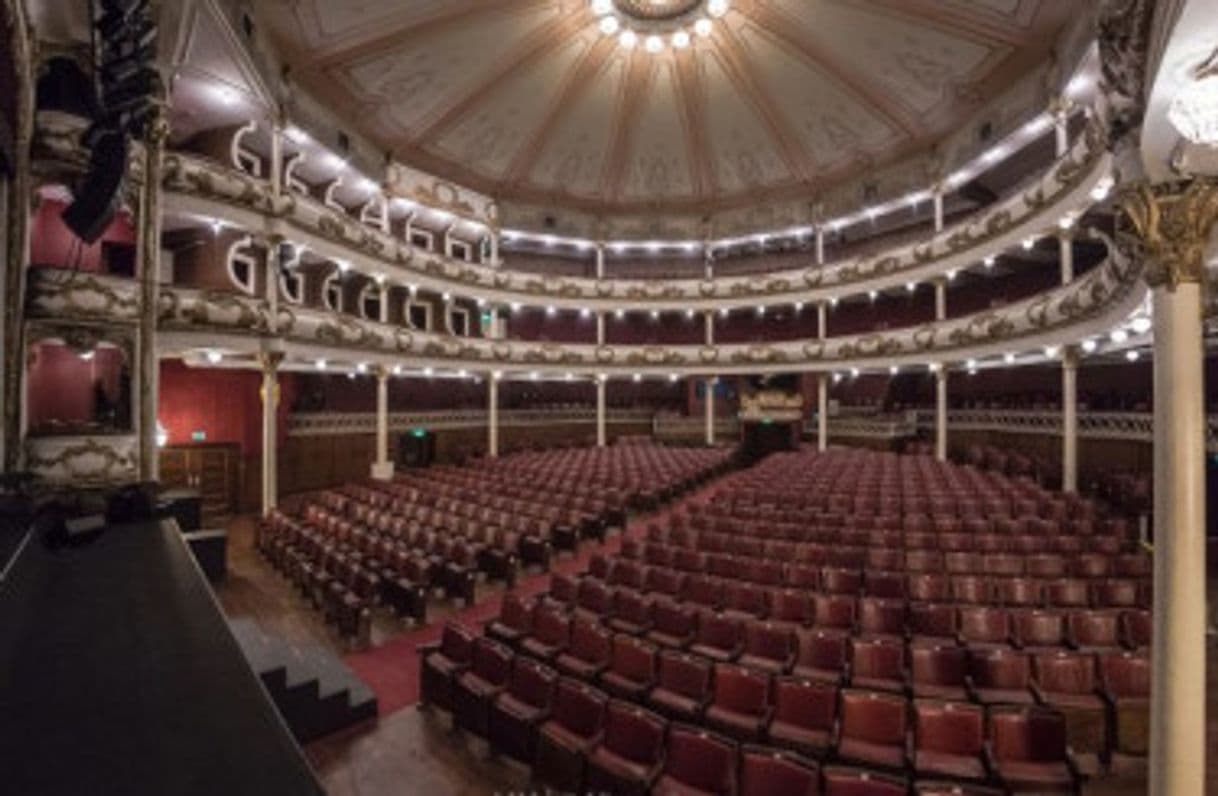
{"x":1171,"y":225}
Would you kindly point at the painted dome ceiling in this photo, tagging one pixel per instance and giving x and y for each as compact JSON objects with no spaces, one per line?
{"x":541,"y":101}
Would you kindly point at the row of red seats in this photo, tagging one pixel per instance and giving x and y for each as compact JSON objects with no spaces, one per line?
{"x":596,"y":739}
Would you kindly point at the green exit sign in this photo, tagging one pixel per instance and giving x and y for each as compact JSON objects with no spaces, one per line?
{"x":198,"y":436}
{"x":419,"y":432}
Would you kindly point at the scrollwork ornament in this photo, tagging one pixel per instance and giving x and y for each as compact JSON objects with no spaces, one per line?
{"x":1171,"y":225}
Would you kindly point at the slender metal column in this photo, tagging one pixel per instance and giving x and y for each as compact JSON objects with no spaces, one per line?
{"x":148,"y":248}
{"x":382,"y":470}
{"x":270,"y":361}
{"x":1070,"y":359}
{"x":492,"y":416}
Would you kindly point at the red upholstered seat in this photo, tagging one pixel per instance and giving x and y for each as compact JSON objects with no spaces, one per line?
{"x":719,"y":637}
{"x":878,"y":664}
{"x":1038,"y":631}
{"x":443,"y":662}
{"x":674,"y":624}
{"x":551,"y":632}
{"x":697,"y":762}
{"x":515,"y":620}
{"x":632,"y":612}
{"x":823,"y":655}
{"x":744,"y":600}
{"x":595,"y":598}
{"x":933,"y":622}
{"x":949,"y":740}
{"x":476,"y":688}
{"x":874,"y":727}
{"x":1067,"y":682}
{"x":983,"y":626}
{"x":834,"y":612}
{"x":588,"y":653}
{"x":1068,"y":593}
{"x":564,"y":588}
{"x":1125,"y":684}
{"x":768,"y":647}
{"x":928,"y":587}
{"x":664,"y":581}
{"x":844,"y":781}
{"x":1000,"y":676}
{"x":1027,"y":750}
{"x":1135,"y":629}
{"x":518,"y":711}
{"x":805,"y":716}
{"x":684,"y":687}
{"x":740,"y":703}
{"x":839,"y":580}
{"x":767,"y":772}
{"x":564,"y":741}
{"x":939,"y":671}
{"x":632,"y":668}
{"x":790,"y":606}
{"x":1094,"y":631}
{"x":882,"y":617}
{"x":630,"y":755}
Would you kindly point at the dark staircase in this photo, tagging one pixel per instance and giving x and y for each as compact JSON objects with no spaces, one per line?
{"x":313,"y":689}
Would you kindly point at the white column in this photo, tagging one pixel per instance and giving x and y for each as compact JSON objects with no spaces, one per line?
{"x":382,"y":470}
{"x":940,"y":299}
{"x":938,"y":201}
{"x":495,"y":263}
{"x":492,"y":414}
{"x":409,"y":229}
{"x":600,"y":328}
{"x":148,"y":248}
{"x":820,"y":245}
{"x":941,"y":413}
{"x":822,"y":320}
{"x":1061,"y":125}
{"x":274,"y":264}
{"x":601,"y":438}
{"x":384,"y":302}
{"x":710,"y":411}
{"x":448,"y":242}
{"x":276,"y":171}
{"x":822,"y":411}
{"x":600,"y":261}
{"x":270,"y":361}
{"x":1070,"y":419}
{"x":1065,"y":243}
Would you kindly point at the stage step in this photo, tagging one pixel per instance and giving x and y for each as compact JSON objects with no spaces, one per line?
{"x":313,"y":689}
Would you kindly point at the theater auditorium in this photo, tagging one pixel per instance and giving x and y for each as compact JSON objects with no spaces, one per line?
{"x":737,"y":397}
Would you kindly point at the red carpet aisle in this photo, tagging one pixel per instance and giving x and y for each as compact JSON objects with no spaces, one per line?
{"x":392,"y":669}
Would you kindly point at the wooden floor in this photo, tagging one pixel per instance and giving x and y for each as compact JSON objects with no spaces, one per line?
{"x":413,"y":751}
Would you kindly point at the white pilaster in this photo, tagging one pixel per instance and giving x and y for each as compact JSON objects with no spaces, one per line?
{"x":492,"y":414}
{"x":820,"y":245}
{"x":600,"y":261}
{"x":270,"y":430}
{"x":1065,"y":244}
{"x":1070,"y":420}
{"x":940,"y":299}
{"x":941,"y":413}
{"x":601,"y":437}
{"x":938,"y":202}
{"x":822,"y":411}
{"x":600,"y":328}
{"x":382,"y":470}
{"x":710,"y":411}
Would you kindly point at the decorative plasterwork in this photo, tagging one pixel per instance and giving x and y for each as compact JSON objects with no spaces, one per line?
{"x":1171,"y":228}
{"x":84,"y":460}
{"x":61,"y":293}
{"x":320,"y":424}
{"x":1090,"y":305}
{"x":200,"y":187}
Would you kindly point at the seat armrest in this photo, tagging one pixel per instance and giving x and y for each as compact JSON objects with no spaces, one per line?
{"x":1037,"y":693}
{"x":426,"y":649}
{"x":656,"y":769}
{"x":987,"y":755}
{"x":1072,"y":764}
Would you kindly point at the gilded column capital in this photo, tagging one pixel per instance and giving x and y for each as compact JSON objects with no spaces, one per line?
{"x":1169,"y":227}
{"x":270,"y":360}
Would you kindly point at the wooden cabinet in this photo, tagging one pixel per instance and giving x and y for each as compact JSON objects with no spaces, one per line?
{"x":209,"y":469}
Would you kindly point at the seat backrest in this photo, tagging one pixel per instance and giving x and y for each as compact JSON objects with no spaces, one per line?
{"x":877,"y":657}
{"x":1095,"y":628}
{"x":790,"y":605}
{"x":806,"y":703}
{"x":878,"y":615}
{"x":938,"y":664}
{"x":578,"y":707}
{"x":1125,"y":675}
{"x":840,"y":781}
{"x":551,"y":625}
{"x":765,"y":772}
{"x":457,"y":642}
{"x":983,"y":623}
{"x":687,"y":675}
{"x":633,"y":658}
{"x":767,"y":640}
{"x":741,"y":690}
{"x":531,"y":682}
{"x":491,"y":661}
{"x":517,"y":613}
{"x":949,"y":727}
{"x":834,"y":611}
{"x":873,"y":717}
{"x":633,"y":733}
{"x":1003,"y":669}
{"x":701,"y":760}
{"x":821,"y":650}
{"x":1027,"y":735}
{"x":1039,"y":628}
{"x":590,"y":641}
{"x":719,"y":631}
{"x":1065,"y":673}
{"x":674,"y":618}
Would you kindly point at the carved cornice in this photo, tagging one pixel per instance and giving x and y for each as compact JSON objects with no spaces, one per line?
{"x":1171,"y":226}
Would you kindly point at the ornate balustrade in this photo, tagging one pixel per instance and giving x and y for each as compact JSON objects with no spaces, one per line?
{"x":83,"y":460}
{"x":319,"y":424}
{"x":199,"y":186}
{"x":56,"y":294}
{"x":1090,"y":305}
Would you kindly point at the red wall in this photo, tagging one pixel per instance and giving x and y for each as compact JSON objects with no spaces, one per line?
{"x":225,"y":404}
{"x":59,"y":384}
{"x":53,"y":245}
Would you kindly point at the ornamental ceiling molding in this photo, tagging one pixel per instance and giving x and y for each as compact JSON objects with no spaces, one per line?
{"x":199,"y":187}
{"x":1089,"y":306}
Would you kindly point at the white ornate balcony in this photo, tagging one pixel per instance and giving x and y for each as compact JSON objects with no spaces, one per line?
{"x":89,"y":460}
{"x":60,"y":294}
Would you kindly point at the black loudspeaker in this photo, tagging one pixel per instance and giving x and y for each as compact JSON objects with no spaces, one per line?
{"x":416,"y":449}
{"x":132,"y":503}
{"x":64,"y":531}
{"x":98,"y":197}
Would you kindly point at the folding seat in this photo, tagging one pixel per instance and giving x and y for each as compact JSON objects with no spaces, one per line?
{"x":879,"y":617}
{"x":1094,"y":631}
{"x":658,"y":555}
{"x":1018,"y":591}
{"x":846,"y":781}
{"x":762,"y":571}
{"x":515,"y":620}
{"x":632,"y":668}
{"x":890,"y":585}
{"x":823,"y":655}
{"x":768,"y":772}
{"x":1027,"y":750}
{"x":1133,"y":565}
{"x":1066,"y":681}
{"x":878,"y":664}
{"x":684,"y":687}
{"x":1092,"y":565}
{"x":950,"y":788}
{"x":703,"y":590}
{"x":1136,"y":629}
{"x":630,"y":574}
{"x":768,"y":647}
{"x":521,"y":708}
{"x":1046,"y":565}
{"x":933,"y":622}
{"x":723,"y":565}
{"x":983,"y":626}
{"x":632,"y":612}
{"x":927,"y":587}
{"x":1067,"y":593}
{"x":834,"y":612}
{"x":588,"y":653}
{"x":1125,"y":686}
{"x":565,"y":740}
{"x":923,"y":561}
{"x":550,"y":635}
{"x":873,"y":730}
{"x":1115,"y":593}
{"x":477,"y":687}
{"x":970,"y":589}
{"x":664,"y":581}
{"x":674,"y":625}
{"x":886,"y":555}
{"x":719,"y":637}
{"x":790,"y":606}
{"x":689,"y":561}
{"x":740,"y":703}
{"x":632,"y":549}
{"x":744,"y":600}
{"x":442,"y":662}
{"x":939,"y":671}
{"x":630,"y":756}
{"x":595,"y":598}
{"x":697,"y":762}
{"x":803,"y":576}
{"x":1038,"y":631}
{"x":949,"y":740}
{"x":564,"y":588}
{"x":836,"y":580}
{"x":1000,"y":676}
{"x":961,"y":563}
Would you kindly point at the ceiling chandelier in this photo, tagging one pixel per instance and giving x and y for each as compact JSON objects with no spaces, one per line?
{"x":658,"y":24}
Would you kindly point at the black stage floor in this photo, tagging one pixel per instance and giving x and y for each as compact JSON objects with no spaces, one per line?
{"x":119,"y":675}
